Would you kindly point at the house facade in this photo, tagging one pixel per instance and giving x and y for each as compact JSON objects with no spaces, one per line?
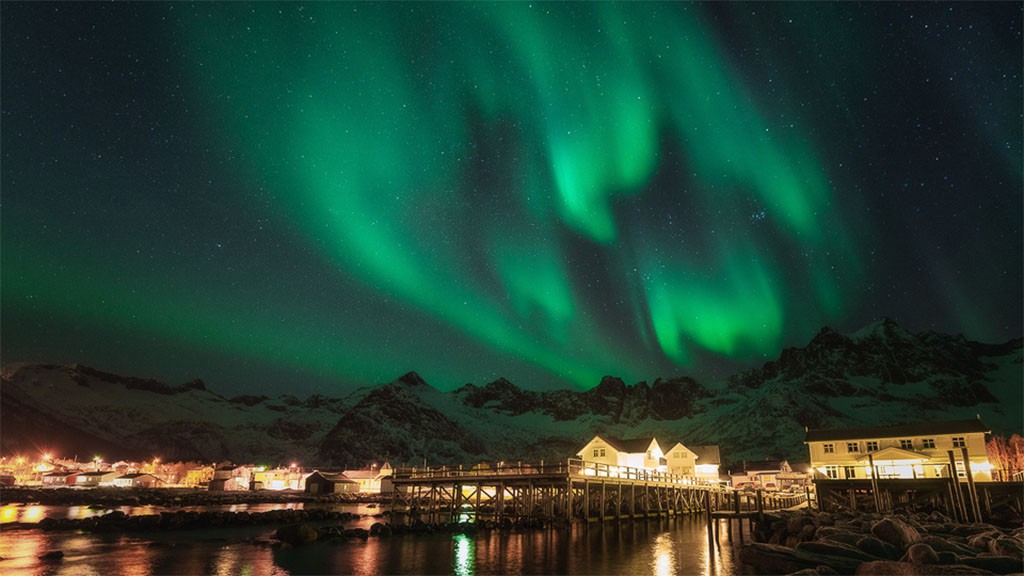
{"x":681,"y":460}
{"x":137,"y":480}
{"x":198,"y":476}
{"x":97,"y":478}
{"x":643,"y":453}
{"x":915,"y":450}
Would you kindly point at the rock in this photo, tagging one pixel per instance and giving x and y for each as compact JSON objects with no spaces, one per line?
{"x":920,"y":554}
{"x":878,"y":548}
{"x":772,"y":559}
{"x":993,"y":563}
{"x":895,"y":532}
{"x":835,"y":549}
{"x":947,"y":557}
{"x":1004,"y":546}
{"x":297,"y":534}
{"x":845,"y":538}
{"x":890,"y":568}
{"x":52,"y":555}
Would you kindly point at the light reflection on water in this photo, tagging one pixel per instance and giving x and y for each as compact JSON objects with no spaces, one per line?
{"x":658,"y":548}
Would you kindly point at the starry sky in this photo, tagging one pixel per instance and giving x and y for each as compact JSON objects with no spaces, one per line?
{"x":307,"y":197}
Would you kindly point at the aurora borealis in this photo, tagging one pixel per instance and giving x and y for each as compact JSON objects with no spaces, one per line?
{"x":290,"y":196}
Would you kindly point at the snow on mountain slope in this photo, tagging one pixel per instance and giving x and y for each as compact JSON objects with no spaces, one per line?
{"x":878,"y":375}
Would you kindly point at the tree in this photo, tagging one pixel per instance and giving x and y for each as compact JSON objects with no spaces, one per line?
{"x":1006,"y":456}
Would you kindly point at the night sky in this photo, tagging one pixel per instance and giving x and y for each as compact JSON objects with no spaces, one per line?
{"x":309,"y":197}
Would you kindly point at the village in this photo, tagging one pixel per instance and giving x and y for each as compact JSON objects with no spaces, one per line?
{"x":908,"y":451}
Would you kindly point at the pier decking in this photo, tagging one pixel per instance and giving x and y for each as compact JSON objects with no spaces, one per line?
{"x":571,"y":491}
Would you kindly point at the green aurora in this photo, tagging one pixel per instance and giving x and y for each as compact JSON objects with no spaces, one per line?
{"x":554,"y":191}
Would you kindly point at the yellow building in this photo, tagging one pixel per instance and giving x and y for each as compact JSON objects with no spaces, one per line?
{"x":916,"y":450}
{"x":641,"y":453}
{"x":198,"y":476}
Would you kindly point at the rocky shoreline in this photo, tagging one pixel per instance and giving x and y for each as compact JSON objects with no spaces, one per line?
{"x":809,"y":543}
{"x":171,"y":497}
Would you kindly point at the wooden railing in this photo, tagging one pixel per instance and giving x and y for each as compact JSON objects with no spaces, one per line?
{"x":572,"y":467}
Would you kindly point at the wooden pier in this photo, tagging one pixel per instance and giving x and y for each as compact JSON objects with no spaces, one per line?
{"x":570,"y":491}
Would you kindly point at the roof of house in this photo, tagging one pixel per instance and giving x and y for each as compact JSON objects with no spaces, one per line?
{"x":629,"y":445}
{"x":899,"y":430}
{"x":763,"y":465}
{"x":362,"y":474}
{"x":136,"y":475}
{"x":98,"y":473}
{"x":707,"y":454}
{"x":336,"y":478}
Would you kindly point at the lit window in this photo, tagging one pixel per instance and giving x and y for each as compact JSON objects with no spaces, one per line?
{"x":907,"y":444}
{"x":829,"y":448}
{"x":832,"y":471}
{"x":928,"y":443}
{"x":872,"y":445}
{"x":960,"y":471}
{"x":852,"y":447}
{"x":959,"y":442}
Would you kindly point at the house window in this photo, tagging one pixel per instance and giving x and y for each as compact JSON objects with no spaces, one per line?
{"x":960,"y":471}
{"x":850,"y":471}
{"x":829,"y":448}
{"x":907,"y":444}
{"x":595,"y":453}
{"x":959,"y":442}
{"x":602,"y":452}
{"x":872,"y":445}
{"x":852,"y":447}
{"x":832,"y":471}
{"x":928,"y":443}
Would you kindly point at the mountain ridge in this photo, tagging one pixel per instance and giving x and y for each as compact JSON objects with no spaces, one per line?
{"x":878,"y":374}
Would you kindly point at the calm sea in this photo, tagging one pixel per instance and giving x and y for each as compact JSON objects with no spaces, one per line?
{"x":657,"y":547}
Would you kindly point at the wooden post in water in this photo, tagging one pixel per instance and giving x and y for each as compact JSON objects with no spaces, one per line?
{"x":972,"y":489}
{"x":760,"y":506}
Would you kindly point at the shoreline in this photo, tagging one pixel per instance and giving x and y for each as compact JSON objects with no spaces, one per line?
{"x":109,"y":497}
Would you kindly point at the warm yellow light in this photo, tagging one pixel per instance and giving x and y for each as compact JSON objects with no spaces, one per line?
{"x":21,"y":460}
{"x":981,"y":467}
{"x":46,"y":456}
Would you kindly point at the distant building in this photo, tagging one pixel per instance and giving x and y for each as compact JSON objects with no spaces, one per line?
{"x":643,"y":453}
{"x":137,"y":480}
{"x":278,"y":479}
{"x":230,"y":478}
{"x":762,"y":474}
{"x":915,"y":450}
{"x":55,"y":479}
{"x":198,"y":476}
{"x":328,"y":483}
{"x":97,"y":478}
{"x":372,"y":480}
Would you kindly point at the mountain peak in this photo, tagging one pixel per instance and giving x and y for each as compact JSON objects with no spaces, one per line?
{"x":411,"y":379}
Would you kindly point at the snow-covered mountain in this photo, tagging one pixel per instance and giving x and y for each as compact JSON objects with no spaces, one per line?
{"x":878,"y":375}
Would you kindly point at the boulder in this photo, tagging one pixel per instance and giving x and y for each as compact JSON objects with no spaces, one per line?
{"x":920,"y":554}
{"x":51,"y":556}
{"x":835,"y":549}
{"x":772,"y":559}
{"x":297,"y":534}
{"x":993,"y":563}
{"x":895,"y":532}
{"x":1006,"y":546}
{"x":878,"y":548}
{"x":890,"y":568}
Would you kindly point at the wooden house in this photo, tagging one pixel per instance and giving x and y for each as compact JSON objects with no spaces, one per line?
{"x":643,"y":453}
{"x":914,"y":450}
{"x":328,"y":483}
{"x":96,"y":478}
{"x":137,"y":480}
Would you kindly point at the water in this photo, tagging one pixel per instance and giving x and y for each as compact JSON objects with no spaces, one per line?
{"x":657,"y":547}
